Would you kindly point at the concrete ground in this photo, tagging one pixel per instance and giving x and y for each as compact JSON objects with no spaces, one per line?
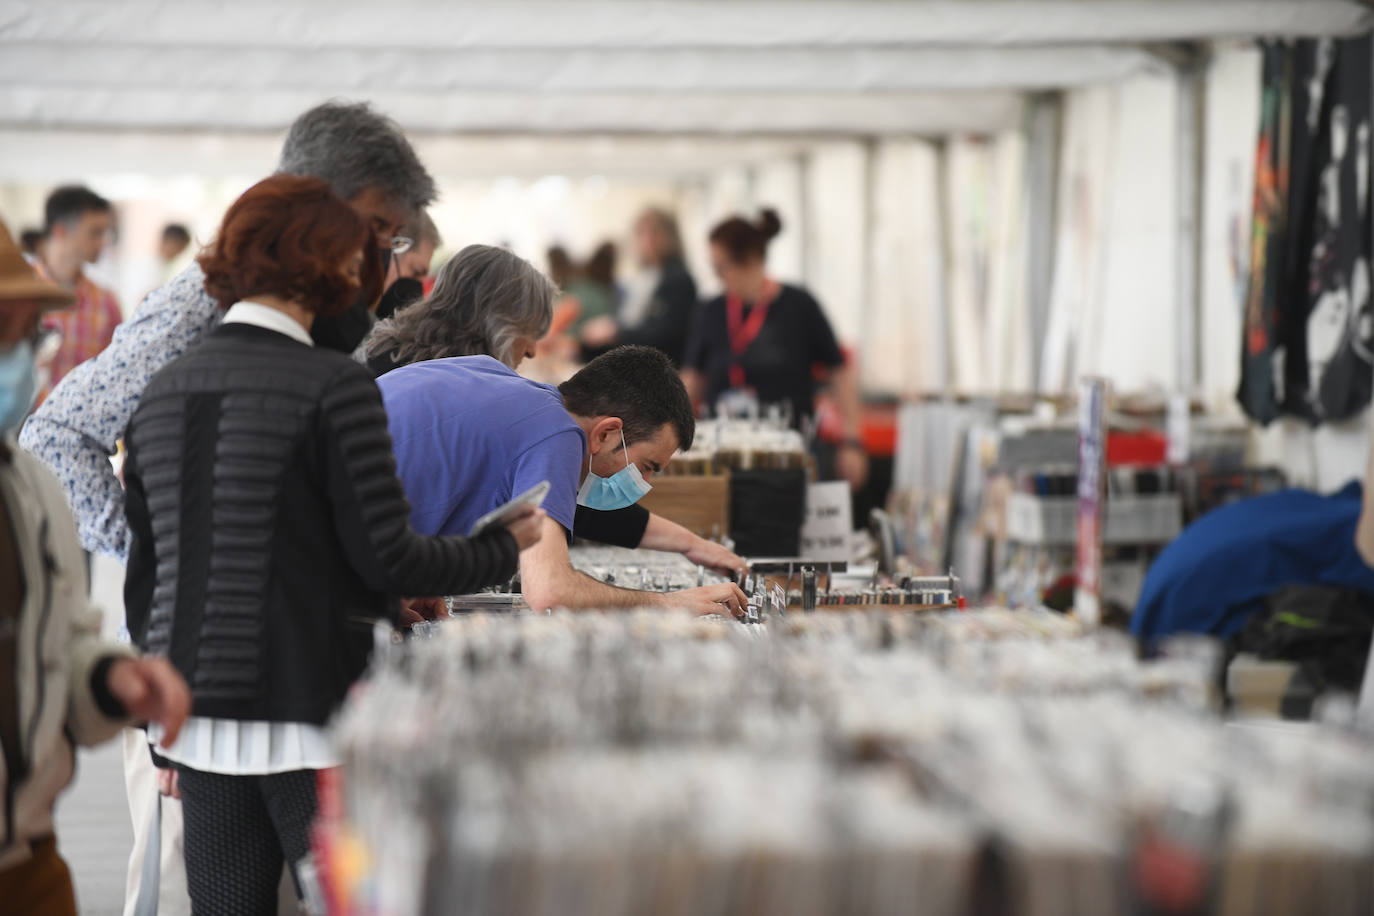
{"x":93,"y":829}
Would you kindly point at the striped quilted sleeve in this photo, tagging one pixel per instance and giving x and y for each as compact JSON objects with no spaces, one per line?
{"x":372,"y":516}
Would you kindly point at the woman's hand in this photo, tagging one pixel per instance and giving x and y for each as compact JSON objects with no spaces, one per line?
{"x":851,"y":463}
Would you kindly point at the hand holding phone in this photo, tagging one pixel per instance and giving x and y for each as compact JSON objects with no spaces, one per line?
{"x":519,"y":507}
{"x":527,"y":528}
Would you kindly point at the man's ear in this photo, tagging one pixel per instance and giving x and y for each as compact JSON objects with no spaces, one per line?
{"x":605,"y":435}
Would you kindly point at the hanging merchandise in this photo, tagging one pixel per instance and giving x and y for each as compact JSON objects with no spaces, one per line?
{"x":1262,"y":354}
{"x":1309,"y":321}
{"x":1330,"y":219}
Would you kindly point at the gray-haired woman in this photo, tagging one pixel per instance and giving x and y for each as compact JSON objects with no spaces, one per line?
{"x":485,"y":302}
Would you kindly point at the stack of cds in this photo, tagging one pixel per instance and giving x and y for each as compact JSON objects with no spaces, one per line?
{"x":871,"y":763}
{"x":648,"y":570}
{"x":740,"y":445}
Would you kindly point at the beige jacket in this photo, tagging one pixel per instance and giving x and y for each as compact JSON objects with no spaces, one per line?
{"x":58,"y":646}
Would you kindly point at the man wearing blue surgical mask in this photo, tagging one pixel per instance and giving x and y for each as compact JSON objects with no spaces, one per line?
{"x":469,"y":434}
{"x":60,"y":684}
{"x":621,"y":490}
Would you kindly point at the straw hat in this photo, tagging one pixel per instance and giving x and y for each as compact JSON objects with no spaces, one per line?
{"x":18,"y":281}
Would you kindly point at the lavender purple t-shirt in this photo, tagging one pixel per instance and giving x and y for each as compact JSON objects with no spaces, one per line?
{"x":470,"y":434}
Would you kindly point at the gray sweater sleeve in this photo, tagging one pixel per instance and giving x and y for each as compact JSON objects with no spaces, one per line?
{"x":372,"y":516}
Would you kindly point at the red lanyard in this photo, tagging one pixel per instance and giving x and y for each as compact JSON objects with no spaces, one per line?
{"x":742,"y":332}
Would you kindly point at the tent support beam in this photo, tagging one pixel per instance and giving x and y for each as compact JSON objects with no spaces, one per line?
{"x":945,"y":322}
{"x":1044,"y":121}
{"x":868,"y":280}
{"x":1188,"y":154}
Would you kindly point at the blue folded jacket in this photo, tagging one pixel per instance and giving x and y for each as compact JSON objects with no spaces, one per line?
{"x":1220,"y":569}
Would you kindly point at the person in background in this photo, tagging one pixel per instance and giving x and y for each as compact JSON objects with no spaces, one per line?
{"x":262,"y":572}
{"x":766,"y":339}
{"x":425,"y":240}
{"x":561,"y":267}
{"x":77,"y":225}
{"x":29,"y":240}
{"x":366,"y":159}
{"x":176,"y":238}
{"x":557,"y":345}
{"x":593,"y":287}
{"x":60,"y":684}
{"x":412,"y":268}
{"x":661,"y":300}
{"x":488,"y":302}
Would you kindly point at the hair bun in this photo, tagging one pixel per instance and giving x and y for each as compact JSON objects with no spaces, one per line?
{"x":770,"y":224}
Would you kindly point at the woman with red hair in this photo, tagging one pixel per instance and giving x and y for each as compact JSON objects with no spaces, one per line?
{"x":270,"y":534}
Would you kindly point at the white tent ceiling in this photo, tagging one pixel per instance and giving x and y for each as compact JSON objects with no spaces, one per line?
{"x":620,"y":66}
{"x":563,"y":24}
{"x":638,"y":71}
{"x":47,"y":157}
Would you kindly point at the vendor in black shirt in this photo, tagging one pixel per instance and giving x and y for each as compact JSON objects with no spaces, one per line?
{"x":768,"y":338}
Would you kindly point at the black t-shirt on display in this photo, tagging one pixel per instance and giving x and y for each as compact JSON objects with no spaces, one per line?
{"x":778,"y":363}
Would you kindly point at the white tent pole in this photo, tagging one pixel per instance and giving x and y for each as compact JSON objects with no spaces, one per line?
{"x":868,"y":281}
{"x":751,"y":187}
{"x":1188,"y":203}
{"x":1044,"y":120}
{"x":944,"y":320}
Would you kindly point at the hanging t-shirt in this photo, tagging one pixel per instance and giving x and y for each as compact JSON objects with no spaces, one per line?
{"x":779,"y":354}
{"x":1309,"y":319}
{"x":1329,"y":204}
{"x":1267,"y":297}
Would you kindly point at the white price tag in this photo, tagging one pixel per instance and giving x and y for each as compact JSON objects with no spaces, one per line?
{"x":1178,"y":426}
{"x":829,"y":521}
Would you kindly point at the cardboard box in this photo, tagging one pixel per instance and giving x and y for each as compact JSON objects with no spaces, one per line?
{"x":699,"y":504}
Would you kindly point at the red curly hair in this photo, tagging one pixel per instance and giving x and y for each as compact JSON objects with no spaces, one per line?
{"x":288,"y":236}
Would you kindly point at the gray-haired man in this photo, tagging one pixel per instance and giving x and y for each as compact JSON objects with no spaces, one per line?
{"x":367,"y":161}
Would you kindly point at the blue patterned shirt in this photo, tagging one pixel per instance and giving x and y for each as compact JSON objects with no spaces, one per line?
{"x":76,"y":430}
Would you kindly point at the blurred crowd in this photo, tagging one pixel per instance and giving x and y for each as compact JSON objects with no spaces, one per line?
{"x":326,"y":422}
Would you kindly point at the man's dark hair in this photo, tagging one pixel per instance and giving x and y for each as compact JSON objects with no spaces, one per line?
{"x":69,"y":203}
{"x":29,"y":239}
{"x":640,"y":386}
{"x":176,"y":232}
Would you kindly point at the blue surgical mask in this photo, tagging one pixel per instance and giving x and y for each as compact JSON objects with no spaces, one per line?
{"x":624,"y":488}
{"x":18,"y":385}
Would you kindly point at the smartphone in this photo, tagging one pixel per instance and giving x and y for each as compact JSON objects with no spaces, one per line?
{"x":532,"y":498}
